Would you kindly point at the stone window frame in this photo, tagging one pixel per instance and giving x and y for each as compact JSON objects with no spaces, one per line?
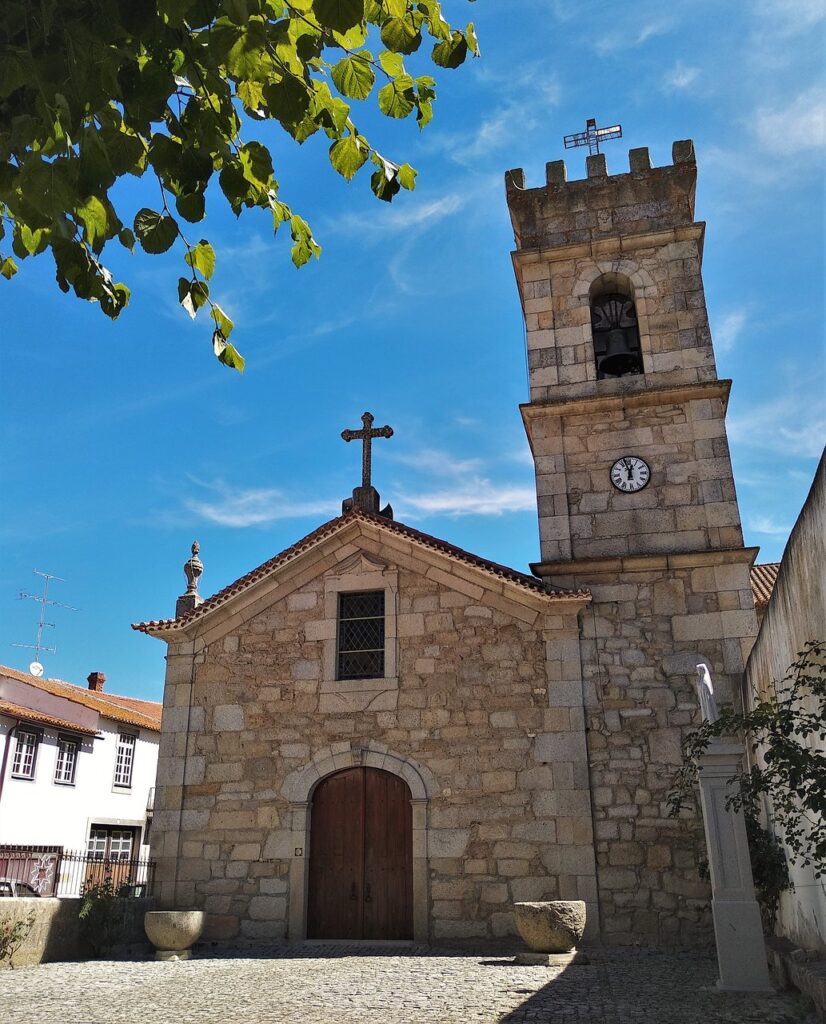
{"x":365,"y":576}
{"x":627,"y":277}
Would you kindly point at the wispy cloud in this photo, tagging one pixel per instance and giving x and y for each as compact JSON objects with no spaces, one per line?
{"x":729,"y":328}
{"x":793,"y":424}
{"x":508,"y":119}
{"x":797,"y":125}
{"x":680,"y":77}
{"x":409,"y":214}
{"x":479,"y":497}
{"x":436,"y":461}
{"x":630,"y":38}
{"x":242,"y":507}
{"x":769,"y":526}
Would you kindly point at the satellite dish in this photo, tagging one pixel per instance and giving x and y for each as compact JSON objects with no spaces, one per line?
{"x":36,"y":668}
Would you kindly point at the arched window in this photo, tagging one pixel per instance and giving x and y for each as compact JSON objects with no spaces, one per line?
{"x":616,"y":336}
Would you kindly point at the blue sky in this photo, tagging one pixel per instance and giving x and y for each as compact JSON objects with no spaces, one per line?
{"x":123,"y":442}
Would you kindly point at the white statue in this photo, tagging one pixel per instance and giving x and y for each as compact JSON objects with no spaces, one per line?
{"x":705,"y":692}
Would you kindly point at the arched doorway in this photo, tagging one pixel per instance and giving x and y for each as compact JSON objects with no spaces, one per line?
{"x":361,"y":857}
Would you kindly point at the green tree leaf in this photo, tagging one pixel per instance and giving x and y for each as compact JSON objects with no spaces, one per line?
{"x":227,"y":353}
{"x":340,"y":15}
{"x":156,"y":232}
{"x":452,"y":52}
{"x":397,"y":99}
{"x":400,"y":35}
{"x":348,"y":155}
{"x":353,"y":76}
{"x":92,"y":215}
{"x":202,"y":258}
{"x":407,"y":177}
{"x":8,"y":268}
{"x":192,"y":295}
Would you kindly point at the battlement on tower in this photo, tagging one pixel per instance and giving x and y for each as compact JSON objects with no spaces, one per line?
{"x":643,"y":200}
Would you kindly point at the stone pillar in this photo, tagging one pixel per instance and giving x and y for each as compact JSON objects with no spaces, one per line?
{"x":738,"y":929}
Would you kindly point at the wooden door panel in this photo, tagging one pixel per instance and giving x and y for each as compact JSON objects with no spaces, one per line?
{"x":336,"y":858}
{"x":388,"y":852}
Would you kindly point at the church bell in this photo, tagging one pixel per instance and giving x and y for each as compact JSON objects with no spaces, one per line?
{"x":616,"y":337}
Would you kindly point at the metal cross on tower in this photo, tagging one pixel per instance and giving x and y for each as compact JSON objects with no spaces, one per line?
{"x":366,"y":435}
{"x":366,"y":497}
{"x":592,"y":136}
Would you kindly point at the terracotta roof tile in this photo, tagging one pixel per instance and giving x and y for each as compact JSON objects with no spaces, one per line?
{"x":328,"y":529}
{"x":763,"y":579}
{"x":146,"y":714}
{"x":39,"y":718}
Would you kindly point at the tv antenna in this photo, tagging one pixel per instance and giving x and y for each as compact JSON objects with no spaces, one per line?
{"x":592,"y":136}
{"x":36,"y":667}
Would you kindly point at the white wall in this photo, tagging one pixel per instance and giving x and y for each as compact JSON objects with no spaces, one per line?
{"x":796,"y":614}
{"x":41,"y":812}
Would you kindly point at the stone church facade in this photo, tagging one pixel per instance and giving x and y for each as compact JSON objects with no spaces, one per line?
{"x":378,"y":735}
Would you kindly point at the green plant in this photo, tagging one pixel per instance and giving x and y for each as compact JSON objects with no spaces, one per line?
{"x":12,"y":936}
{"x":787,"y":775}
{"x":101,"y":916}
{"x":94,"y":90}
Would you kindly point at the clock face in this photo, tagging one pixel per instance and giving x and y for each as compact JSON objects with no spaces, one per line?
{"x":630,"y":473}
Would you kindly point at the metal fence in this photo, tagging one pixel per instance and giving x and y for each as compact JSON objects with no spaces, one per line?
{"x":53,"y":871}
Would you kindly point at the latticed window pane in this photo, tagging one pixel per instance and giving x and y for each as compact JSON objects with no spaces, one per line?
{"x":97,"y":843}
{"x":361,"y":635}
{"x":66,"y":760}
{"x":24,"y":755}
{"x":120,"y":844}
{"x":125,"y":757}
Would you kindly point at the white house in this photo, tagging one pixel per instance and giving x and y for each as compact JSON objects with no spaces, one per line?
{"x":77,"y":773}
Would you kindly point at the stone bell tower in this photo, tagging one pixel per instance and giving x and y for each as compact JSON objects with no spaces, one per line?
{"x":636,"y":501}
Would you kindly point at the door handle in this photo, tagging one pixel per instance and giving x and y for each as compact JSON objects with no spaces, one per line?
{"x":353,"y":894}
{"x":368,"y":897}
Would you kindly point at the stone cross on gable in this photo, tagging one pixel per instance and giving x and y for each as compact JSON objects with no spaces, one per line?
{"x":366,"y":497}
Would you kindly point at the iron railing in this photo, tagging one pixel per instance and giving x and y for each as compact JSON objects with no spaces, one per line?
{"x":53,"y":871}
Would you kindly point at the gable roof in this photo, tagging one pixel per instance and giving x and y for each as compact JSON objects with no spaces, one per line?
{"x":501,"y":572}
{"x":763,"y":579}
{"x":23,"y":714}
{"x":146,"y":714}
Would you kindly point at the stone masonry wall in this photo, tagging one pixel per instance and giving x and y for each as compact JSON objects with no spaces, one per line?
{"x":689,"y":505}
{"x":484,"y":703}
{"x":642,"y":637}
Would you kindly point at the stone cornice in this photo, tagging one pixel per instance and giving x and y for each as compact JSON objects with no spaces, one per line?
{"x":584,"y":405}
{"x":612,"y":245}
{"x":644,"y":563}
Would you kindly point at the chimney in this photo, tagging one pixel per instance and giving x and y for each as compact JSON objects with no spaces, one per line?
{"x":96,"y":681}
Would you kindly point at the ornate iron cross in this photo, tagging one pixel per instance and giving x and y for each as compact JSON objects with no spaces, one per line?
{"x":592,"y":136}
{"x":366,"y":435}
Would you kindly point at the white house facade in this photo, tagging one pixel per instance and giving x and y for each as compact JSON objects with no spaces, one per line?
{"x":77,"y":773}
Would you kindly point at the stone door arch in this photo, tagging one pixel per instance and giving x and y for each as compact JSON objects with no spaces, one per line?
{"x":299,"y":788}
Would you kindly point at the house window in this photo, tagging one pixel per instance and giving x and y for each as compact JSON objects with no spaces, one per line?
{"x":64,"y":773}
{"x":25,"y":754}
{"x":124,"y":761}
{"x":110,"y":843}
{"x":361,"y":635}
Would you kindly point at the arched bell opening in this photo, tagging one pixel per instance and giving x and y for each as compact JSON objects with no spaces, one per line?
{"x":615,"y":329}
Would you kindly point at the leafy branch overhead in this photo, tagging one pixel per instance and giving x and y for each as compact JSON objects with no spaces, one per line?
{"x":94,"y":90}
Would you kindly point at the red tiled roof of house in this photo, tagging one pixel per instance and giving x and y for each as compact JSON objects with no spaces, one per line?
{"x":503,"y":572}
{"x":7,"y":707}
{"x":146,"y":714}
{"x":763,"y":579}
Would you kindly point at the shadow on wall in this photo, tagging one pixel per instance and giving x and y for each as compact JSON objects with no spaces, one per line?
{"x":55,"y":934}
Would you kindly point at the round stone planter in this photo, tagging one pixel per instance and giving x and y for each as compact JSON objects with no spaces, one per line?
{"x":173,"y":932}
{"x":552,"y":927}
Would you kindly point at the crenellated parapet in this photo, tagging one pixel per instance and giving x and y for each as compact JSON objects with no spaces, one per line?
{"x":641,"y":201}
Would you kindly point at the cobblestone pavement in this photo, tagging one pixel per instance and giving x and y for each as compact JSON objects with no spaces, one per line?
{"x":320,"y":985}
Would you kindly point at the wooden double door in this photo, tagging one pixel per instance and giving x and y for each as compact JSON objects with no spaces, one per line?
{"x":361,"y":857}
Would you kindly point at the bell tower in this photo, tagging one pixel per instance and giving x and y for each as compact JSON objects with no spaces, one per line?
{"x":621,"y":362}
{"x":636,"y":501}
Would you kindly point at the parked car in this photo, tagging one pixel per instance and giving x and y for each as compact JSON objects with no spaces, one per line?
{"x":13,"y":887}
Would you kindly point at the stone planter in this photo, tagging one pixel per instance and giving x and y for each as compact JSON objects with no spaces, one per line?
{"x":173,"y":932}
{"x":552,"y":927}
